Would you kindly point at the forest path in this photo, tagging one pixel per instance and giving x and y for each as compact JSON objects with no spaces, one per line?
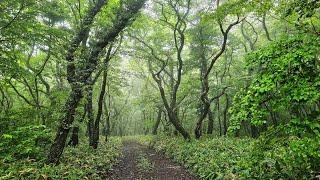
{"x":141,"y":162}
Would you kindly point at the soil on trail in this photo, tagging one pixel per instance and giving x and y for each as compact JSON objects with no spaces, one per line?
{"x":162,"y":168}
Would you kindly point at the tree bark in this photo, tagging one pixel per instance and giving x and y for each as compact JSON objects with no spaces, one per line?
{"x":94,"y":130}
{"x":76,"y":93}
{"x":172,"y":113}
{"x":204,"y":100}
{"x":205,"y":106}
{"x":99,"y":113}
{"x":219,"y":118}
{"x":210,"y":122}
{"x":107,"y":126}
{"x":264,"y":26}
{"x":64,"y":127}
{"x":254,"y":131}
{"x":74,"y":139}
{"x":225,"y":113}
{"x":90,"y":114}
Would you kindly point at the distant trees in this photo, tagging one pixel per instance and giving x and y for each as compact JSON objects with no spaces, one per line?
{"x":216,"y":52}
{"x":169,"y":63}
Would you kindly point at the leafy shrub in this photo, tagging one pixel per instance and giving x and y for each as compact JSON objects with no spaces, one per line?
{"x":287,"y":78}
{"x":280,"y":156}
{"x":18,"y":117}
{"x":24,"y":142}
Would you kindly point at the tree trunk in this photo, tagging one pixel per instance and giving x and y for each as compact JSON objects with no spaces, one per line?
{"x":99,"y":113}
{"x":76,"y":92}
{"x":205,"y":71}
{"x":173,"y":118}
{"x":165,"y":123}
{"x":107,"y":113}
{"x":96,"y":133}
{"x":264,"y":26}
{"x":155,"y":128}
{"x":64,"y":127}
{"x":225,"y":113}
{"x":172,"y":115}
{"x":74,"y":139}
{"x":219,"y":119}
{"x":210,"y":122}
{"x":107,"y":128}
{"x":90,"y":114}
{"x":171,"y":110}
{"x":205,"y":106}
{"x":254,"y":131}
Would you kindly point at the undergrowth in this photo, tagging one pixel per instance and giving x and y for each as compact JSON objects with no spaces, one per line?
{"x":235,"y":158}
{"x":23,"y":157}
{"x":143,"y":163}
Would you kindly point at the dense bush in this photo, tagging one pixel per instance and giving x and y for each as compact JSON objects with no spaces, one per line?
{"x":287,"y":83}
{"x":283,"y":96}
{"x":231,"y":158}
{"x":77,"y":163}
{"x":24,"y":142}
{"x":277,"y":155}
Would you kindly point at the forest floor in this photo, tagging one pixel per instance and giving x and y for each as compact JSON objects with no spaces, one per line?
{"x":141,"y":162}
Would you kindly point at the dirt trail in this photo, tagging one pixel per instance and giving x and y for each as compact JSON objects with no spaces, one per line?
{"x":162,"y":168}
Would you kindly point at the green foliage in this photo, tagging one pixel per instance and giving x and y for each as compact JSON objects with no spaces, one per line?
{"x":305,"y":14}
{"x":24,"y":142}
{"x":234,"y":8}
{"x":279,"y":156}
{"x":81,"y":162}
{"x":273,"y":156}
{"x":287,"y":77}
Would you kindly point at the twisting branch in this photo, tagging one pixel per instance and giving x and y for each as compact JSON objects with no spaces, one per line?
{"x":107,"y":58}
{"x":14,"y":18}
{"x":225,"y":33}
{"x":264,"y":26}
{"x":179,"y":41}
{"x":153,"y":53}
{"x":20,"y":95}
{"x":247,"y":37}
{"x":219,"y":95}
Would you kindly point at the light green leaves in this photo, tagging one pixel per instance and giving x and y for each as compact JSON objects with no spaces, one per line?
{"x":286,"y":76}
